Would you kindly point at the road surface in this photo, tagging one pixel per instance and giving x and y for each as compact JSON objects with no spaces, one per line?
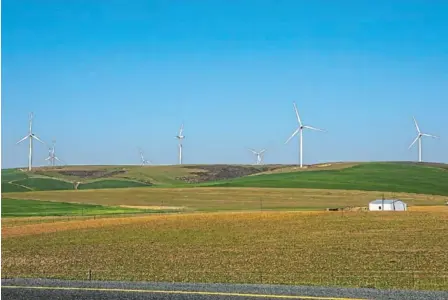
{"x":64,"y":289}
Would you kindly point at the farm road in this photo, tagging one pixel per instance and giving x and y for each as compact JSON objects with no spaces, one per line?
{"x":61,"y":289}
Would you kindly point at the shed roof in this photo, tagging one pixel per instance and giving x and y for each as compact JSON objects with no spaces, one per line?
{"x":386,"y":201}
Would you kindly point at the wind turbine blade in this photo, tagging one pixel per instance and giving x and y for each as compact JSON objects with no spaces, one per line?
{"x":414,"y":142}
{"x":181,"y":129}
{"x":38,"y":139}
{"x":57,"y":158}
{"x":416,"y":125}
{"x":297,"y":114}
{"x":48,"y":158}
{"x":430,"y":135}
{"x":262,"y":151}
{"x":23,"y":139}
{"x":252,"y":150}
{"x":292,"y":135}
{"x":31,"y":121}
{"x":313,"y":128}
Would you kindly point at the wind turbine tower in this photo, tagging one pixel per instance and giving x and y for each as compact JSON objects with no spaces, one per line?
{"x":180,"y":137}
{"x":300,"y":131}
{"x":52,"y":158}
{"x":30,"y":136}
{"x":419,"y":138}
{"x":259,"y":156}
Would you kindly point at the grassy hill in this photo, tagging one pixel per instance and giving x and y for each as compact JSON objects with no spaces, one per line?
{"x":388,"y":177}
{"x":101,"y":177}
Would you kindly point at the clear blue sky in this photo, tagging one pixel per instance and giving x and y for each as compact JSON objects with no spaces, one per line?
{"x":106,"y":77}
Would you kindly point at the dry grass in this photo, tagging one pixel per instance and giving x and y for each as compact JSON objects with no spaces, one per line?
{"x":213,"y":199}
{"x":324,"y":166}
{"x":385,"y":250}
{"x":154,"y":207}
{"x":435,"y":208}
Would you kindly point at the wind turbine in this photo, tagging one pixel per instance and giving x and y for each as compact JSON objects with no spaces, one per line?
{"x":52,"y":155}
{"x":30,"y":136}
{"x":419,"y":138}
{"x":144,"y":161}
{"x":180,"y":137}
{"x":300,"y":130}
{"x":259,"y":156}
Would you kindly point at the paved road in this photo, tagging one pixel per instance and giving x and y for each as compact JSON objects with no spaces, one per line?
{"x":61,"y":289}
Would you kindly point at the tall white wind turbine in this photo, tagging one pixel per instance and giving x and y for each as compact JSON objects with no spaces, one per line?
{"x":30,"y":136}
{"x":419,"y":138}
{"x":259,"y":155}
{"x":180,"y":137}
{"x":143,"y":160}
{"x":300,"y":131}
{"x":52,"y":158}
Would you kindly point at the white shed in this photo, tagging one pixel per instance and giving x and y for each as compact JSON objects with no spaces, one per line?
{"x":387,"y":204}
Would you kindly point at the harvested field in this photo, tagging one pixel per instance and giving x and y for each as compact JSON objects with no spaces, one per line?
{"x":214,"y":199}
{"x":382,"y":250}
{"x":434,"y":208}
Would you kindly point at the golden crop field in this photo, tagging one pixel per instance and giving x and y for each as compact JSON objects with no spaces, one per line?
{"x":214,"y":199}
{"x":383,"y":249}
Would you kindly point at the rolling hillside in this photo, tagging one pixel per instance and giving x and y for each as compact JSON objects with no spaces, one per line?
{"x":387,"y":177}
{"x":102,"y":177}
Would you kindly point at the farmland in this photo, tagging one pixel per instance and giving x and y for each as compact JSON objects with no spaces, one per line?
{"x":245,"y":224}
{"x":387,"y":177}
{"x":225,"y":199}
{"x":21,"y":208}
{"x":382,"y":250}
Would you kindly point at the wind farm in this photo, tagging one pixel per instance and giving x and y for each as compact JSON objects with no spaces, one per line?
{"x":52,"y":158}
{"x":218,"y":150}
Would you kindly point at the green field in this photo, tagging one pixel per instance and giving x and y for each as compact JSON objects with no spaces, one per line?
{"x":45,"y":184}
{"x":28,"y":208}
{"x":13,"y":188}
{"x":382,"y":250}
{"x":12,"y":175}
{"x":387,"y":177}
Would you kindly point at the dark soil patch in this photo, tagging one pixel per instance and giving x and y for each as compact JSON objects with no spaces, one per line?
{"x":91,"y":173}
{"x":223,"y":172}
